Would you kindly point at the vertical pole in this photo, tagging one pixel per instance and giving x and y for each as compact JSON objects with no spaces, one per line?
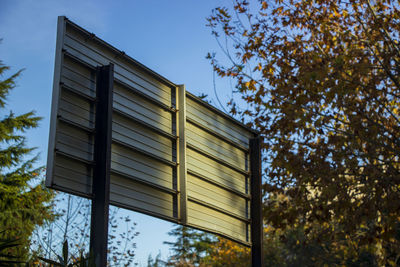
{"x":101,"y":171}
{"x":257,"y":258}
{"x":182,"y":154}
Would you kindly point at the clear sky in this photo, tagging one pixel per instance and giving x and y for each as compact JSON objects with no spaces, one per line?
{"x":168,"y":36}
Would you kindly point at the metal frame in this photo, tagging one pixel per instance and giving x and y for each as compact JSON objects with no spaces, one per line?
{"x":100,"y":165}
{"x":61,"y":24}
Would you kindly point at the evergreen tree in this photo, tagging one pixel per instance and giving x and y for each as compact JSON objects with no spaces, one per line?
{"x":24,"y":200}
{"x":156,"y":262}
{"x":190,"y":246}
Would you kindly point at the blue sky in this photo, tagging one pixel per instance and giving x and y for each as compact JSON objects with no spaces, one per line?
{"x":169,"y":37}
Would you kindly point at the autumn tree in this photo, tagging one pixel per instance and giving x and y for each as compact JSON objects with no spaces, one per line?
{"x":24,"y":200}
{"x":321,"y":81}
{"x":224,"y":252}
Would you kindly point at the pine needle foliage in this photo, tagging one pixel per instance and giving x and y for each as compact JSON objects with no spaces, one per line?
{"x":24,"y":200}
{"x":190,"y":246}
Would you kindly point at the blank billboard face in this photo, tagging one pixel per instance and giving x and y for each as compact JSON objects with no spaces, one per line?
{"x":173,"y":156}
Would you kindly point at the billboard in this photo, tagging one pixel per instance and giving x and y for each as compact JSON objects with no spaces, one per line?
{"x":173,"y":156}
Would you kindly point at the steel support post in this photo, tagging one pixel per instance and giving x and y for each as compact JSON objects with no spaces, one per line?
{"x":257,"y":258}
{"x":101,"y":171}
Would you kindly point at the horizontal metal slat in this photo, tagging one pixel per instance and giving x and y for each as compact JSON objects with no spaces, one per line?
{"x":213,"y":170}
{"x":88,"y":162}
{"x":77,"y":125}
{"x":100,"y":53}
{"x":147,"y":97}
{"x":132,"y":133}
{"x":150,"y":184}
{"x":78,"y":93}
{"x":216,"y":146}
{"x":219,"y":112}
{"x":136,"y":91}
{"x":95,"y":52}
{"x":225,"y":127}
{"x":211,"y":156}
{"x":168,"y":162}
{"x":76,"y":109}
{"x":144,"y":211}
{"x":77,"y":59}
{"x":214,"y":221}
{"x":72,"y":175}
{"x":214,"y":195}
{"x":149,"y":126}
{"x":216,"y":134}
{"x":74,"y":146}
{"x":226,"y":212}
{"x":142,"y":199}
{"x":220,"y":233}
{"x":119,"y":52}
{"x":133,"y":163}
{"x":127,"y":101}
{"x":74,"y":70}
{"x":198,"y":175}
{"x":78,"y":75}
{"x":171,"y":109}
